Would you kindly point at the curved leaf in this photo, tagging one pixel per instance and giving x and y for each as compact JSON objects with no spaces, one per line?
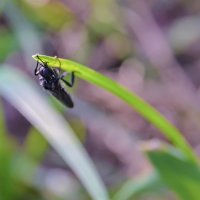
{"x":142,"y":107}
{"x":24,"y":96}
{"x":181,"y":175}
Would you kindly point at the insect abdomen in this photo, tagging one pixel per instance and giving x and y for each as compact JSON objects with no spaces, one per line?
{"x":60,"y":93}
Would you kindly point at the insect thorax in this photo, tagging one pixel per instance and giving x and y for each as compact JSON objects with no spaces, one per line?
{"x":47,"y":84}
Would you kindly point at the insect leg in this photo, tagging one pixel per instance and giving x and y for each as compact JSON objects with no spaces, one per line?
{"x":36,"y":69}
{"x":38,"y":57}
{"x":71,"y":83}
{"x":61,"y":77}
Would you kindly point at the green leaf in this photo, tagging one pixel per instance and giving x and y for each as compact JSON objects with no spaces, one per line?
{"x":35,"y":145}
{"x":6,"y":156}
{"x":138,"y":186}
{"x":25,"y":97}
{"x":8,"y":43}
{"x":181,"y":175}
{"x":142,"y":107}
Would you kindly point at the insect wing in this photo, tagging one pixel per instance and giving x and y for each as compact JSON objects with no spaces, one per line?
{"x":60,"y":93}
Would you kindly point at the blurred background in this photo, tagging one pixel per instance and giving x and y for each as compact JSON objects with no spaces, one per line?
{"x":150,"y":47}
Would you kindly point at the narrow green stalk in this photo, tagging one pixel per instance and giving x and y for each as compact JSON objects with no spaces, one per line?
{"x":139,"y":105}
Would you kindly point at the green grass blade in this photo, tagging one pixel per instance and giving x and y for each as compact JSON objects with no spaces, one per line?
{"x":181,"y":175}
{"x":6,"y":157}
{"x":142,"y":107}
{"x":133,"y":188}
{"x":24,"y":96}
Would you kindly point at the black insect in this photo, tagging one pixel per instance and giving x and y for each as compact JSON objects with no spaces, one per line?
{"x":50,"y":79}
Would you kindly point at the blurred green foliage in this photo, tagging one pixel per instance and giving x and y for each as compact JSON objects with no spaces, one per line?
{"x":8,"y":43}
{"x":159,"y":41}
{"x":18,"y":167}
{"x":53,"y":15}
{"x":177,"y":172}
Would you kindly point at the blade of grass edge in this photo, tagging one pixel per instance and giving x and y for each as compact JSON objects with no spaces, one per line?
{"x":181,"y":175}
{"x":139,"y":105}
{"x":133,"y":188}
{"x":23,"y":95}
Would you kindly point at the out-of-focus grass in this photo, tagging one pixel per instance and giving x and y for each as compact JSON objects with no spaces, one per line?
{"x":8,"y":43}
{"x":23,"y":95}
{"x":181,"y":175}
{"x":60,"y":16}
{"x":35,"y":145}
{"x":134,"y":188}
{"x":173,"y":169}
{"x":91,"y":27}
{"x":17,"y":168}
